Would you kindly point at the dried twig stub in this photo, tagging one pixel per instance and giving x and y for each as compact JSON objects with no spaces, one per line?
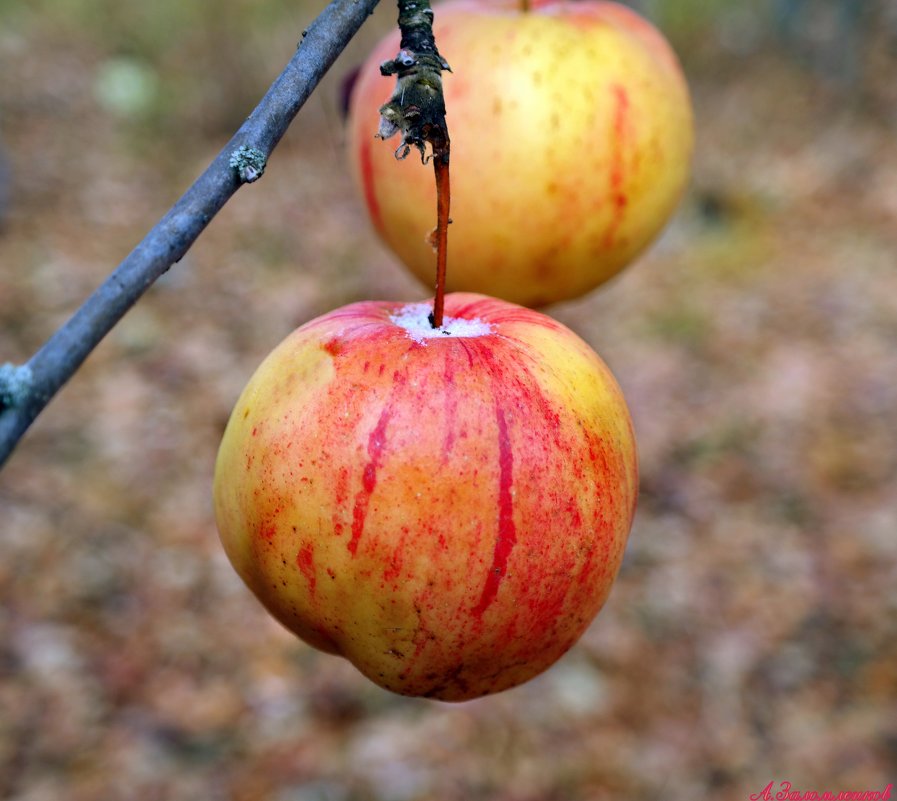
{"x":416,"y":109}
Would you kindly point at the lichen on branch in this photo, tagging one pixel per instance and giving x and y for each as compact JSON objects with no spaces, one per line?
{"x":417,"y":107}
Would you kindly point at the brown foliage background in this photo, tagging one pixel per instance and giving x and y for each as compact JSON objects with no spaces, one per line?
{"x":752,"y":635}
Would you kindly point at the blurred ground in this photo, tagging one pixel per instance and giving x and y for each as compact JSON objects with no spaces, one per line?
{"x":752,"y":635}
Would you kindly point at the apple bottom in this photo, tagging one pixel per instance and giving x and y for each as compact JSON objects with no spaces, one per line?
{"x":446,"y":509}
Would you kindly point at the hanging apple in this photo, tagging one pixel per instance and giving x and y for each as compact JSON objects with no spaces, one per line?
{"x":571,"y":135}
{"x":445,"y":507}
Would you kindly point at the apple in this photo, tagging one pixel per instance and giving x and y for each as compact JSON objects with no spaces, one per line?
{"x":446,"y":508}
{"x":571,"y":139}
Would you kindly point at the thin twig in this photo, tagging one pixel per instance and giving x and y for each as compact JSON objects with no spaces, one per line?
{"x":26,"y":389}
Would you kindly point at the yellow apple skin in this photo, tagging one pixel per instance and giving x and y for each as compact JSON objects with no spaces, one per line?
{"x":447,"y":512}
{"x":571,"y":138}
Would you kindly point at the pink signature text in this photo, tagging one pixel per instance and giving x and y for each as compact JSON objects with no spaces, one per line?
{"x":785,"y":791}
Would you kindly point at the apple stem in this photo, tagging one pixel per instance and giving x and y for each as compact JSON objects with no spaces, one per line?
{"x":443,"y":205}
{"x":524,"y":6}
{"x":416,"y":109}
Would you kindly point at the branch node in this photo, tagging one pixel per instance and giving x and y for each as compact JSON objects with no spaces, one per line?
{"x":15,"y":384}
{"x":249,"y":162}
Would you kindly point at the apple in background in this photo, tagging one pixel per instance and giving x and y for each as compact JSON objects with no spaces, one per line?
{"x":445,"y":508}
{"x":571,"y":132}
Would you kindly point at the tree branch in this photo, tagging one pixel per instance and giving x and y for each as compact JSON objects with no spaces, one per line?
{"x":26,"y":389}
